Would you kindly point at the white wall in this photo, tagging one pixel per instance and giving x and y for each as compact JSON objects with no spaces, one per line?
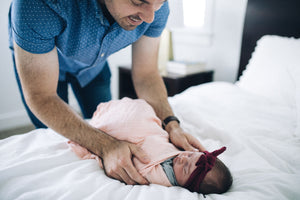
{"x":222,"y":55}
{"x":12,"y":112}
{"x":225,"y":51}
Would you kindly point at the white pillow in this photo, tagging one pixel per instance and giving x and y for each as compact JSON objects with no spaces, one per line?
{"x":274,"y":71}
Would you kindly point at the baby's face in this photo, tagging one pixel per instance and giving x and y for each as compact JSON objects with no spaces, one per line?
{"x":184,"y":165}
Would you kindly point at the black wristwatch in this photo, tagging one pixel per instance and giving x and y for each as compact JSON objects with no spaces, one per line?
{"x":169,"y":119}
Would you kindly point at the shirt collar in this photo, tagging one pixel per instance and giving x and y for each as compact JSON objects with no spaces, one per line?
{"x":99,"y":14}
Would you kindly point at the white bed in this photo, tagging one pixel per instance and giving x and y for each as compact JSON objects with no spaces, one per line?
{"x":257,"y":118}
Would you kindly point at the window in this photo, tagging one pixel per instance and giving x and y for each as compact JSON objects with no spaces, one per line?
{"x":191,"y":15}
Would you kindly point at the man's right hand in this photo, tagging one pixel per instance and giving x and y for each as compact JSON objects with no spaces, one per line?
{"x":118,"y":164}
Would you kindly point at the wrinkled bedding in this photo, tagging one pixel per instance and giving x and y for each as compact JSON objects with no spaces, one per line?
{"x":257,"y":119}
{"x":263,"y":153}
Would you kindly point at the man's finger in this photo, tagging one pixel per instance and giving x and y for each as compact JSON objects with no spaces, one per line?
{"x":134,"y":175}
{"x":187,"y":146}
{"x":195,"y":143}
{"x":119,"y":173}
{"x":112,"y":174}
{"x":131,"y":170}
{"x":140,"y":154}
{"x":126,"y":178}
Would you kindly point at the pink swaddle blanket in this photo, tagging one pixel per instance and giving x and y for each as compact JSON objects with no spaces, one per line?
{"x":134,"y":121}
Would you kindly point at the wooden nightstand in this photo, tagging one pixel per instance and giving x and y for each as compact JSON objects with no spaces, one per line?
{"x":174,"y":83}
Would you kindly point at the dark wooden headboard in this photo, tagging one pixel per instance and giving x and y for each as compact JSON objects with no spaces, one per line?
{"x":268,"y":17}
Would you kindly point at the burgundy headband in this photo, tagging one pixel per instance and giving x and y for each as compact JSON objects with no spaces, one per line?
{"x":204,"y":165}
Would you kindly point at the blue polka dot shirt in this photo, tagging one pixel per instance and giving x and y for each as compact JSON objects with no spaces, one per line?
{"x":78,"y":28}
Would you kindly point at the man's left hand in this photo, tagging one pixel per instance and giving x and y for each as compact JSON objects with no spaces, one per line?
{"x":184,"y":140}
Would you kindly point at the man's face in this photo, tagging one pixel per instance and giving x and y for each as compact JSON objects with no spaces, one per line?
{"x":184,"y":165}
{"x":131,"y":13}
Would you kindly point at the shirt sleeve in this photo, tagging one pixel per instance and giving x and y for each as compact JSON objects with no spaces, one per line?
{"x":160,"y":21}
{"x":34,"y":25}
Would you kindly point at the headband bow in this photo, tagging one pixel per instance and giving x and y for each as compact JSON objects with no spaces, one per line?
{"x":204,"y":165}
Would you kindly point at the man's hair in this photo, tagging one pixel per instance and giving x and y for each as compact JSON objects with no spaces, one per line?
{"x":220,"y":180}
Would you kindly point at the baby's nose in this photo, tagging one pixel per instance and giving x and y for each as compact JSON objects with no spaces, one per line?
{"x":184,"y":158}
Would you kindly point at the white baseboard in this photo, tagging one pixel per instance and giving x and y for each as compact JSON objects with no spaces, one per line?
{"x":14,"y":119}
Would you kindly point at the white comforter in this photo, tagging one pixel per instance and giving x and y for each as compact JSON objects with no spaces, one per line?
{"x":261,"y":136}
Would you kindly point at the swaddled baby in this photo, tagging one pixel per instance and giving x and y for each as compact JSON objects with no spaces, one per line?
{"x":135,"y":121}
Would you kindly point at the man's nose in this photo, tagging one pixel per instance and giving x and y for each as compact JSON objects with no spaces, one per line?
{"x":147,"y":14}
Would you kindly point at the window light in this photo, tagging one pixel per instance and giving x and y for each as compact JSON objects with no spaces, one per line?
{"x":194,"y":13}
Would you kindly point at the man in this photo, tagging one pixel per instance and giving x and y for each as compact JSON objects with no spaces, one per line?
{"x":56,"y":42}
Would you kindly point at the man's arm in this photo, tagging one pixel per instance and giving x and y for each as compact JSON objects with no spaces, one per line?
{"x":150,"y":86}
{"x":39,"y":77}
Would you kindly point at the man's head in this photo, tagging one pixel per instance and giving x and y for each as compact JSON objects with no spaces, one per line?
{"x":131,"y":13}
{"x":192,"y":167}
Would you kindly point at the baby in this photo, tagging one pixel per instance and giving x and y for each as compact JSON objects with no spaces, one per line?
{"x":135,"y":121}
{"x":198,"y":172}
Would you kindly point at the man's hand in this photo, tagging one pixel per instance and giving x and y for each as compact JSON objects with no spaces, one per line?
{"x":118,"y":164}
{"x":182,"y":139}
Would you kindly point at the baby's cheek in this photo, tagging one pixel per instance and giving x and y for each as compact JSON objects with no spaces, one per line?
{"x":179,"y":175}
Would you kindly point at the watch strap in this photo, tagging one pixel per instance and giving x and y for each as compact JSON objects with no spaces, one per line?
{"x":169,"y":119}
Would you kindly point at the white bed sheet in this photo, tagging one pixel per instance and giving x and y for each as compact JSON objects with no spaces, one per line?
{"x":258,"y":119}
{"x":263,"y":153}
